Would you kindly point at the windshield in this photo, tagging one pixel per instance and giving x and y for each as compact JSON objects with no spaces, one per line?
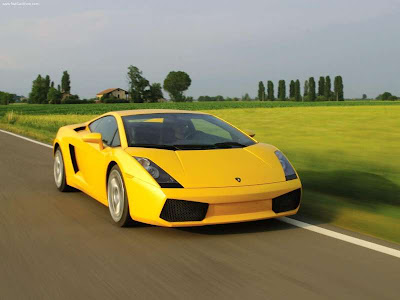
{"x":182,"y":131}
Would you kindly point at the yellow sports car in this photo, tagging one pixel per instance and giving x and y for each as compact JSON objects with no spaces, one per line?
{"x":175,"y":168}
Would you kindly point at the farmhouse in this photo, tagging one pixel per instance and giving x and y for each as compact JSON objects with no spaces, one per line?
{"x":114,"y":92}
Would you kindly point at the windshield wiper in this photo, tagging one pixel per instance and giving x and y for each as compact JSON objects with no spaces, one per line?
{"x":229,"y":145}
{"x":195,"y":146}
{"x":157,"y":146}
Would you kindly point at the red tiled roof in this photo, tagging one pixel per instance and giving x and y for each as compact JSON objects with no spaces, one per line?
{"x":107,"y":91}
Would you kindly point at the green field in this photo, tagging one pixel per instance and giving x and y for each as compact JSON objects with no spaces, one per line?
{"x":83,"y":109}
{"x":347,"y":155}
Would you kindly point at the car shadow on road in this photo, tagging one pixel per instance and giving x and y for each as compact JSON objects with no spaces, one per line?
{"x":239,"y":228}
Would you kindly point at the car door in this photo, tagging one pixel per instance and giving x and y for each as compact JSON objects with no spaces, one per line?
{"x":93,"y":160}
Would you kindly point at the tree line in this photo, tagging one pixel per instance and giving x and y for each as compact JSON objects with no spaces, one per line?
{"x":177,"y":82}
{"x":43,"y":90}
{"x":310,"y":92}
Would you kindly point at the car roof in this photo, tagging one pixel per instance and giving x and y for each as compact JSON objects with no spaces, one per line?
{"x":154,"y":111}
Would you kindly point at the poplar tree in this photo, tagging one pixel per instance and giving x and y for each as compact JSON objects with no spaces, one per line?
{"x":292,"y":90}
{"x":270,"y":91}
{"x":65,"y":83}
{"x":305,"y":89}
{"x":261,"y":91}
{"x":282,"y":90}
{"x":321,"y":86}
{"x":327,"y":90}
{"x":46,"y":84}
{"x":311,"y":89}
{"x":297,"y":92}
{"x":338,"y":88}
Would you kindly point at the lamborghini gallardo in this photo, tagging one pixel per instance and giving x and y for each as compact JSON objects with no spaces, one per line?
{"x":175,"y":168}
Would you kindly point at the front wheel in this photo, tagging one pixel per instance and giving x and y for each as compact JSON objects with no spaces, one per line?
{"x":117,"y":198}
{"x":59,"y":172}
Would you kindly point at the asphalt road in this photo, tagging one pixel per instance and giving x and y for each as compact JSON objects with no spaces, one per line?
{"x":63,"y":246}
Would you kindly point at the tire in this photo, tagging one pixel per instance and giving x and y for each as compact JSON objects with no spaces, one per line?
{"x":117,"y":198}
{"x":59,"y":172}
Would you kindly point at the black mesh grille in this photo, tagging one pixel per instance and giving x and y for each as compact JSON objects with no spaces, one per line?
{"x":286,"y":202}
{"x":181,"y":211}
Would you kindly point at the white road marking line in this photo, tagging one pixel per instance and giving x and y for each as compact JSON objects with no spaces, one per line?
{"x":303,"y":225}
{"x":26,"y":139}
{"x":342,"y":237}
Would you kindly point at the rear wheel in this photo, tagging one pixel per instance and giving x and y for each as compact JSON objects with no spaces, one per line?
{"x":59,"y":172}
{"x":117,"y":198}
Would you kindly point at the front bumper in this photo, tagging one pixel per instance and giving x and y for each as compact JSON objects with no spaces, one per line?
{"x":225,"y":205}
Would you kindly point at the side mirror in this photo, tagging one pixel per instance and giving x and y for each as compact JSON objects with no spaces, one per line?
{"x":249,"y":132}
{"x":94,"y":138}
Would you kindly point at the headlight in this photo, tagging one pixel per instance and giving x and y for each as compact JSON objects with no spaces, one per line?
{"x":287,"y":167}
{"x":163,"y":178}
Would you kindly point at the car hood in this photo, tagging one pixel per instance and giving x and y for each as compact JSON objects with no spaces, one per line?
{"x":252,"y":165}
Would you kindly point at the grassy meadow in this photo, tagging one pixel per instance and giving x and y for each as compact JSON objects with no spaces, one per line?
{"x":348,"y":156}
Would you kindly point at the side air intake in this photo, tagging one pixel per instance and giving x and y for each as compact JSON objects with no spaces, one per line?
{"x":73,"y":158}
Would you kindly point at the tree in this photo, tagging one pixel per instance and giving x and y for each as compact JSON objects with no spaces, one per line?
{"x":70,"y":99}
{"x":246,"y":97}
{"x":270,"y":91}
{"x":65,"y":83}
{"x":6,"y":98}
{"x":311,"y":89}
{"x":54,"y":96}
{"x":282,"y":90}
{"x":58,"y":88}
{"x":291,"y":90}
{"x":189,"y":99}
{"x":338,"y":88}
{"x":327,"y":90}
{"x":261,"y":91}
{"x":216,"y":98}
{"x":155,"y":92}
{"x":176,"y":83}
{"x":46,"y":84}
{"x":297,"y":91}
{"x":364,"y":96}
{"x":305,"y":90}
{"x":321,"y":86}
{"x":386,"y":96}
{"x":137,"y":84}
{"x":38,"y":93}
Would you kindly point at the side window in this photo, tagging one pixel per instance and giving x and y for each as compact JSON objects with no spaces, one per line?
{"x":93,"y":125}
{"x":116,"y":141}
{"x":108,"y":127}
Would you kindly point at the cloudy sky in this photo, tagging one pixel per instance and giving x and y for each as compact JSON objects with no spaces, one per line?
{"x":226,"y":46}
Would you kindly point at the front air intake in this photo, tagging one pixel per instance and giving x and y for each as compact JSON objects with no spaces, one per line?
{"x":286,"y":202}
{"x":183,"y":211}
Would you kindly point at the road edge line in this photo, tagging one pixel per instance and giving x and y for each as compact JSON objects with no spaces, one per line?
{"x":342,"y":237}
{"x":27,"y":139}
{"x":300,"y":224}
